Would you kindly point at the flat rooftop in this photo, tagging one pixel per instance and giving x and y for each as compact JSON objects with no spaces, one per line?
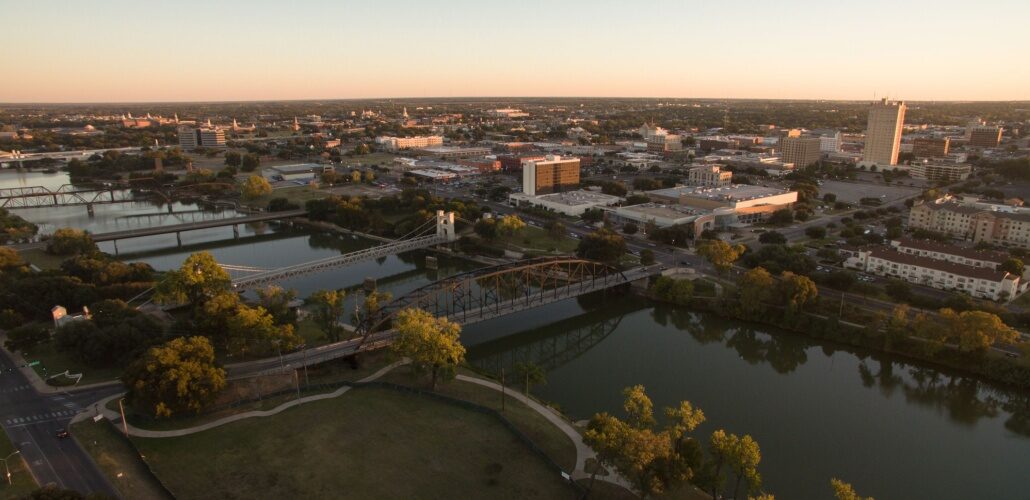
{"x":575,"y":198}
{"x":298,"y":168}
{"x":733,"y":192}
{"x":660,"y":210}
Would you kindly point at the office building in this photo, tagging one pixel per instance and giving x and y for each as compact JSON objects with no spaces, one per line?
{"x":829,"y":140}
{"x":398,"y":143}
{"x":551,"y":175}
{"x":989,"y":223}
{"x":572,"y":203}
{"x":802,"y":151}
{"x":452,"y":152}
{"x":985,"y":136}
{"x":192,"y":138}
{"x":939,"y":171}
{"x":660,"y":144}
{"x":709,"y":176}
{"x":883,"y":133}
{"x":931,"y":147}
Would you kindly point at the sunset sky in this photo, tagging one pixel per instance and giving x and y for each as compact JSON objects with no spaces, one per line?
{"x":118,"y":51}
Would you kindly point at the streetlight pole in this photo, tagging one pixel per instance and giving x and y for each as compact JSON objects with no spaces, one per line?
{"x":6,"y":469}
{"x":125,"y":423}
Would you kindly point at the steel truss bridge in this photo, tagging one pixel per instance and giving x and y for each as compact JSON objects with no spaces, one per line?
{"x":548,"y":352}
{"x":66,"y":195}
{"x":378,"y":251}
{"x":466,"y":298}
{"x":495,"y":291}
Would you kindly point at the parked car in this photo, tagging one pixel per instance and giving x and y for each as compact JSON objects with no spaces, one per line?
{"x":62,"y":433}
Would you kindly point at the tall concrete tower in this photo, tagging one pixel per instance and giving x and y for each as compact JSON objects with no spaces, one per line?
{"x":883,"y":133}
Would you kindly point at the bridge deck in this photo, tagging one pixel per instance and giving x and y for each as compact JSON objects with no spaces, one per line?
{"x":190,"y":226}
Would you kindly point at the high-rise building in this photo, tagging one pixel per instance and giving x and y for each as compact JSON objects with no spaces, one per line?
{"x":398,"y":143}
{"x":802,"y":151}
{"x":985,"y":136}
{"x":551,"y":175}
{"x":931,"y":147}
{"x":883,"y":133}
{"x":192,"y":138}
{"x":709,"y":176}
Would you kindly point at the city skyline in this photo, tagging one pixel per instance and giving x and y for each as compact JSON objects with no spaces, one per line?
{"x":260,"y":51}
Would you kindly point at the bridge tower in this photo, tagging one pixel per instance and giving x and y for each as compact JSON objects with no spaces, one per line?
{"x":445,"y":225}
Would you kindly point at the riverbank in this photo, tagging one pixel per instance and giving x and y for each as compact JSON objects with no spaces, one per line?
{"x":989,"y":366}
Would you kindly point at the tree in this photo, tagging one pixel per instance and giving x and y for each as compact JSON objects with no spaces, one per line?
{"x":179,"y":376}
{"x":1012,"y":265}
{"x":592,"y":215}
{"x":781,"y":217}
{"x":486,"y":228}
{"x":250,"y":162}
{"x":720,"y":254}
{"x":9,"y":259}
{"x":797,"y":291}
{"x":68,"y":241}
{"x":198,"y":279}
{"x":829,"y":198}
{"x":276,"y":300}
{"x":233,"y":159}
{"x":646,"y":257}
{"x":281,"y":205}
{"x":630,"y":228}
{"x":755,"y":288}
{"x":368,"y":176}
{"x":976,"y":330}
{"x":555,"y":229}
{"x":654,"y":461}
{"x":510,"y":224}
{"x":355,"y":176}
{"x":897,"y":324}
{"x":115,"y":335}
{"x":673,"y":290}
{"x":844,"y":491}
{"x":256,"y":186}
{"x":254,"y":327}
{"x":328,"y":312}
{"x":531,"y":373}
{"x":815,"y":232}
{"x":732,"y":454}
{"x":431,"y":343}
{"x":26,"y":337}
{"x":772,"y":238}
{"x":604,"y":245}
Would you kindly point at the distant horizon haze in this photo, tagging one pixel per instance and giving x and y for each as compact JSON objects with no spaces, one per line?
{"x":120,"y":51}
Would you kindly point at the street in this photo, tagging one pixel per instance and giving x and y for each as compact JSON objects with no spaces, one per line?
{"x":32,"y":420}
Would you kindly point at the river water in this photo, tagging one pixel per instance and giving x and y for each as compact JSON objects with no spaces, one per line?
{"x":894,"y":429}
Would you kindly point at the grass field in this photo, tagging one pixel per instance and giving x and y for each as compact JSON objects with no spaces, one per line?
{"x":535,"y":238}
{"x":299,"y":195}
{"x":368,"y":443}
{"x":22,"y":480}
{"x":119,"y":461}
{"x":57,"y":362}
{"x":542,"y":432}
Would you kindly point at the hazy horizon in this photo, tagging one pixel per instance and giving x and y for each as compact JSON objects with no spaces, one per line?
{"x":122,"y":52}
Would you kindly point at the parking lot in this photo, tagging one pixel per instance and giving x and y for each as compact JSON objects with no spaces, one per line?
{"x":852,"y":192}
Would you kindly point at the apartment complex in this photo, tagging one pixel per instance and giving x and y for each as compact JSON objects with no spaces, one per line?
{"x":800,"y":150}
{"x":551,"y":175}
{"x":709,"y":176}
{"x":883,"y":133}
{"x":942,"y":273}
{"x":951,"y":253}
{"x":192,"y":138}
{"x":398,"y":143}
{"x":931,"y":147}
{"x":998,"y":225}
{"x":985,"y":136}
{"x":940,"y":171}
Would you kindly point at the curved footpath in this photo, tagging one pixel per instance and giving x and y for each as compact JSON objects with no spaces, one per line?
{"x":583,"y":452}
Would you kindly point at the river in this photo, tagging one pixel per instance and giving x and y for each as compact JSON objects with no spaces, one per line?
{"x":894,"y":429}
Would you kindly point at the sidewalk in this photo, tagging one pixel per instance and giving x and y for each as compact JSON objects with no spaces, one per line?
{"x":38,"y":383}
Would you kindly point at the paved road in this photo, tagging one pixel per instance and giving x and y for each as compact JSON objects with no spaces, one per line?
{"x":32,"y":419}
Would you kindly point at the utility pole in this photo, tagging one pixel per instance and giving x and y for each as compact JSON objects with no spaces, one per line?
{"x":502,"y":389}
{"x":840,"y":315}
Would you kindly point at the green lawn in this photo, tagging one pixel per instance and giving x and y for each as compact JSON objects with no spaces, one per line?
{"x":298,"y":195}
{"x":57,"y":362}
{"x":117,"y":459}
{"x":41,"y":259}
{"x":543,"y":433}
{"x":22,"y":480}
{"x":368,"y":443}
{"x":535,"y":238}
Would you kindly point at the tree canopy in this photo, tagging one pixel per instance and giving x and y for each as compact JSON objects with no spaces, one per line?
{"x":174,"y":378}
{"x":431,"y":343}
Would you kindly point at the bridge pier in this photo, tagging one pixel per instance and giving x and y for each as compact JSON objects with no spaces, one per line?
{"x":169,"y":208}
{"x":115,"y":243}
{"x":178,"y":238}
{"x":89,"y":209}
{"x":235,"y":232}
